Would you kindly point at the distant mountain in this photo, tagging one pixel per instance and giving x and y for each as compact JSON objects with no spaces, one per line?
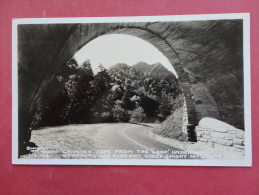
{"x":121,"y":66}
{"x":154,"y":70}
{"x":149,"y":86}
{"x":150,"y":79}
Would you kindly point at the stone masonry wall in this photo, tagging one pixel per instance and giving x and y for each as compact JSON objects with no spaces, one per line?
{"x":233,"y":139}
{"x":185,"y":118}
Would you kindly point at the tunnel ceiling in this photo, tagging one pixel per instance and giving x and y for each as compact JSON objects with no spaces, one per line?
{"x":210,"y":55}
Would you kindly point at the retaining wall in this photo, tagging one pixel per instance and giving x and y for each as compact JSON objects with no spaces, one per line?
{"x":232,"y":138}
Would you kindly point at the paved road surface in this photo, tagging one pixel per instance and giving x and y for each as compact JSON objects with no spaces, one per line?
{"x":116,"y":141}
{"x":129,"y":140}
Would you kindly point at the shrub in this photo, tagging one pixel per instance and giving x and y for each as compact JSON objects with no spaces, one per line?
{"x":137,"y":115}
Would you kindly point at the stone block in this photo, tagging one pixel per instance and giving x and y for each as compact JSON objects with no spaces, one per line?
{"x":224,"y":142}
{"x":240,"y":147}
{"x":210,"y":144}
{"x":209,"y":129}
{"x":203,"y":140}
{"x":216,"y":145}
{"x":230,"y":135}
{"x":210,"y":141}
{"x":221,"y":130}
{"x":207,"y":132}
{"x":206,"y":136}
{"x":231,"y":131}
{"x":218,"y":135}
{"x":198,"y":128}
{"x":234,"y":149}
{"x":199,"y":134}
{"x":238,"y":141}
{"x":213,"y":139}
{"x":228,"y":138}
{"x":240,"y":135}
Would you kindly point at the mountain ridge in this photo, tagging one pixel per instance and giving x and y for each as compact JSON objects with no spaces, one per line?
{"x":156,"y":70}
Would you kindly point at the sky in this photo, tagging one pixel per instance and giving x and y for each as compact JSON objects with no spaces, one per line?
{"x":112,"y":49}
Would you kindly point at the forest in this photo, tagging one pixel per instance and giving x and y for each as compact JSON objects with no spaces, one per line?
{"x":123,"y":93}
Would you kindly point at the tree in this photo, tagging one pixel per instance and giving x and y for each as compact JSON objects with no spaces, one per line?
{"x":102,"y":111}
{"x":87,"y":67}
{"x":126,"y":100}
{"x":81,"y":94}
{"x":120,"y":114}
{"x":119,"y":94}
{"x":102,"y":78}
{"x":138,"y":115}
{"x":149,"y":105}
{"x":164,"y":109}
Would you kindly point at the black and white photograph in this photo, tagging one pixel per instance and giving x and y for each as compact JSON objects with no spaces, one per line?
{"x":154,"y":90}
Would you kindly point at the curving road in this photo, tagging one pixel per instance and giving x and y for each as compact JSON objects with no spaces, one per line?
{"x":101,"y":141}
{"x":131,"y":141}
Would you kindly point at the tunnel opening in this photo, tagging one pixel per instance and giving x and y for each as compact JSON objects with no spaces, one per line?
{"x":171,"y":41}
{"x":146,"y":91}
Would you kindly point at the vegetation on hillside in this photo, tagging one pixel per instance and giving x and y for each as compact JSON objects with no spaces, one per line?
{"x":172,"y":126}
{"x":139,"y":93}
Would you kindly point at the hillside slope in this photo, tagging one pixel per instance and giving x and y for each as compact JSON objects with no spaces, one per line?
{"x":155,"y":70}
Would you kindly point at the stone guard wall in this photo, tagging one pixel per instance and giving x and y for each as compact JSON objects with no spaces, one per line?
{"x":233,"y":139}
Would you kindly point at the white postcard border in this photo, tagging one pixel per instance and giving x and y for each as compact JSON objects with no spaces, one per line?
{"x":247,"y":93}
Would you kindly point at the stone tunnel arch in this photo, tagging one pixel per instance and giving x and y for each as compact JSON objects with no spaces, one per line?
{"x":207,"y":56}
{"x":161,"y":44}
